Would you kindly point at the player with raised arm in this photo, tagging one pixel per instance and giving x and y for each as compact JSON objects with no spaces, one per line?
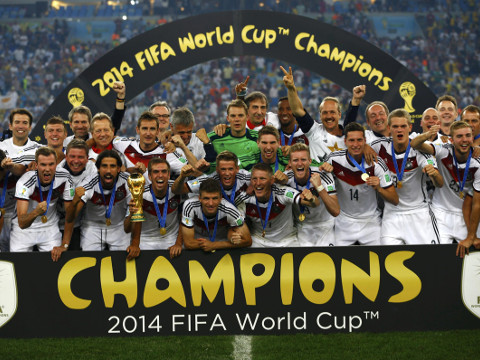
{"x":460,"y":171}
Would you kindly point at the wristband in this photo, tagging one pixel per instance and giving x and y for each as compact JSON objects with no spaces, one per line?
{"x":319,"y":189}
{"x":242,"y":93}
{"x":120,"y":100}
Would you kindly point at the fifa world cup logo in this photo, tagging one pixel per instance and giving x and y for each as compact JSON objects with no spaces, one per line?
{"x":407,"y":92}
{"x":136,"y":183}
{"x":76,"y":97}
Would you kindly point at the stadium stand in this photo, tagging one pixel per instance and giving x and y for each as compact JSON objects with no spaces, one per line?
{"x":48,"y":51}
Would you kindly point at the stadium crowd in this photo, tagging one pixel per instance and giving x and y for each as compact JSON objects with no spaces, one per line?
{"x":38,"y":56}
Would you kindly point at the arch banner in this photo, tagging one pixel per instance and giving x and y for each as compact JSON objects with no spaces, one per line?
{"x":338,"y":55}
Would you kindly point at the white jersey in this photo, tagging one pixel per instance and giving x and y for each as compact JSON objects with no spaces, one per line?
{"x":90,"y":169}
{"x":321,"y":142}
{"x":134,"y":154}
{"x":151,"y":225}
{"x":27,"y":189}
{"x":68,"y":139}
{"x":228,"y":217}
{"x":270,"y":119}
{"x":94,"y":152}
{"x":315,"y":217}
{"x":371,"y":136}
{"x":242,"y":183}
{"x":357,"y":199}
{"x":447,"y":198}
{"x":9,"y":201}
{"x":279,"y":230}
{"x":12,"y":150}
{"x":196,"y":147}
{"x":96,"y":206}
{"x":412,"y":192}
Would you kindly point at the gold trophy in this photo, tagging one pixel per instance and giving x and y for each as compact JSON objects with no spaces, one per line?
{"x":136,"y":183}
{"x":407,"y":92}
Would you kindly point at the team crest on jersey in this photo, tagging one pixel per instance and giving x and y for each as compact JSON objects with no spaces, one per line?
{"x":276,"y":209}
{"x":471,"y":283}
{"x":119,"y":195}
{"x":173,"y":204}
{"x":8,"y":292}
{"x":408,"y":165}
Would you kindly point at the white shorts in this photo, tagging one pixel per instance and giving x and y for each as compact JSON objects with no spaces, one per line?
{"x":96,"y":239}
{"x":320,"y":235}
{"x":451,"y":226}
{"x":413,"y":228}
{"x":349,"y":230}
{"x":160,"y":243}
{"x":258,"y":241}
{"x":24,"y":240}
{"x":5,"y":234}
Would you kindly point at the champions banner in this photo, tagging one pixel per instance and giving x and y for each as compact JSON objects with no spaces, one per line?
{"x":254,"y":291}
{"x":338,"y":55}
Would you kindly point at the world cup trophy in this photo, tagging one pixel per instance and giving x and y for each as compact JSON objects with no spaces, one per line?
{"x":407,"y":92}
{"x":136,"y":183}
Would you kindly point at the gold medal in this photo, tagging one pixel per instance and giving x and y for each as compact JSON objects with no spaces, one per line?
{"x":301,"y":217}
{"x":2,"y":210}
{"x":263,"y":233}
{"x":44,"y":219}
{"x":461,"y":194}
{"x":163,"y":231}
{"x":365,"y":177}
{"x":108,"y":221}
{"x":399,"y":184}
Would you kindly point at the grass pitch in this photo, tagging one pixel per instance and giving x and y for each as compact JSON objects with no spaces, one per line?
{"x":444,"y":345}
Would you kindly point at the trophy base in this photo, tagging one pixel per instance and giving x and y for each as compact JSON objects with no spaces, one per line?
{"x":137,"y":218}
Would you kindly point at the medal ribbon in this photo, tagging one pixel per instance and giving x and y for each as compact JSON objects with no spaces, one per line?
{"x":211,"y":238}
{"x":282,"y":136}
{"x":269,"y":207}
{"x":302,"y":207}
{"x":357,"y":165}
{"x":108,"y":212}
{"x":162,"y":218}
{"x":476,"y":137}
{"x":49,"y":196}
{"x":467,"y":167}
{"x":231,"y":199}
{"x":4,"y":191}
{"x":276,"y":162}
{"x":405,"y":158}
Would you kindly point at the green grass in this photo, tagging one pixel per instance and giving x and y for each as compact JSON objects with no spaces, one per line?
{"x":445,"y":345}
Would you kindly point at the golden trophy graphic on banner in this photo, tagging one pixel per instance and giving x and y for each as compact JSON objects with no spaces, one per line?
{"x":136,"y":183}
{"x":407,"y":92}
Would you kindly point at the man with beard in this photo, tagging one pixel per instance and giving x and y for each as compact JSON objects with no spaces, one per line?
{"x":37,"y":194}
{"x":358,"y":185}
{"x":233,"y":180}
{"x":209,"y":222}
{"x":290,"y":132}
{"x":269,"y":209}
{"x":106,"y":197}
{"x":159,"y":231}
{"x":460,"y":171}
{"x":318,"y":220}
{"x":411,"y":221}
{"x":325,"y":137}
